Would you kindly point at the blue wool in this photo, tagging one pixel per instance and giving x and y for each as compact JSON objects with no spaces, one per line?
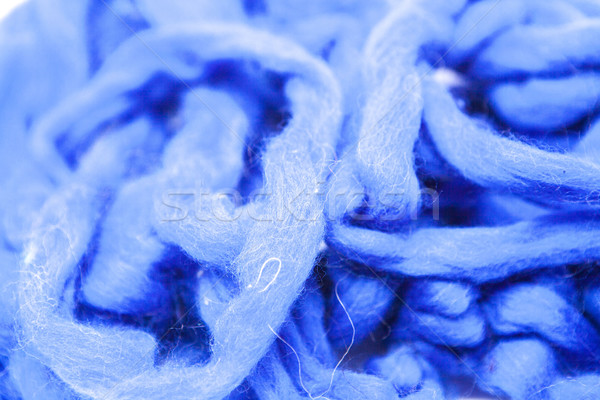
{"x":525,"y":50}
{"x":411,"y":375}
{"x":467,"y":330}
{"x":500,"y":16}
{"x":546,"y":104}
{"x":242,"y":309}
{"x":518,"y":368}
{"x":450,"y":299}
{"x":299,"y":199}
{"x":526,"y":308}
{"x":585,"y":387}
{"x":591,"y":302}
{"x":506,"y":164}
{"x":401,"y":367}
{"x":464,"y":253}
{"x":358,"y":306}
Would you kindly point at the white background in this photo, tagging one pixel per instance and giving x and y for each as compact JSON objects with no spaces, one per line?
{"x":6,"y":6}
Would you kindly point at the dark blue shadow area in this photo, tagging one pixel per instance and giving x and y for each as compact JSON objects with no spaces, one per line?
{"x":175,"y":324}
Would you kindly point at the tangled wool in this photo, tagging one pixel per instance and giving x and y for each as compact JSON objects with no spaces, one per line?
{"x":264,"y":199}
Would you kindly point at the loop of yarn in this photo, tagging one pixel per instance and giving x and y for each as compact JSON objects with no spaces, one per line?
{"x":264,"y":199}
{"x":56,"y":247}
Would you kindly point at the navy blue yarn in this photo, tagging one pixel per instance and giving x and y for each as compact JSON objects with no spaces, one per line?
{"x":410,"y":209}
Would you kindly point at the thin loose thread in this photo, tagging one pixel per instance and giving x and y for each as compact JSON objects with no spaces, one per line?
{"x":261,"y":272}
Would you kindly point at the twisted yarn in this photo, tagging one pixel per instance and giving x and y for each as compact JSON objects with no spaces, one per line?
{"x":261,"y":199}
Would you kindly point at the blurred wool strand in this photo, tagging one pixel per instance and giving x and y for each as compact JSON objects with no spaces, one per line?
{"x":284,"y":199}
